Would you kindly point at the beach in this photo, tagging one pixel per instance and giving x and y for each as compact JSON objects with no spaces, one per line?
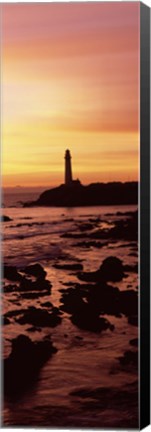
{"x":71,"y":283}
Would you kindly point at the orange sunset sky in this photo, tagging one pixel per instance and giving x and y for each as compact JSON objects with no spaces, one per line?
{"x":70,"y":79}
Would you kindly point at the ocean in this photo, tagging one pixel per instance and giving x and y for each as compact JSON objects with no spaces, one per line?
{"x":85,"y":384}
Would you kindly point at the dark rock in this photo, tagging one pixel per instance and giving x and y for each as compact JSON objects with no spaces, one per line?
{"x":5,"y":320}
{"x":98,"y":234}
{"x":39,"y":285}
{"x":126,"y":229}
{"x":105,"y":299}
{"x":68,"y":220}
{"x":34,"y":329}
{"x":129,"y":302}
{"x":110,"y":300}
{"x":84,"y":315}
{"x":133,"y":269}
{"x":133,"y":320}
{"x":69,"y":266}
{"x":35,"y":270}
{"x":34,"y":294}
{"x":11,"y":273}
{"x":26,"y":217}
{"x":129,"y":358}
{"x":101,"y":298}
{"x":14,"y":313}
{"x":88,"y":244}
{"x":47,"y":304}
{"x":89,"y":276}
{"x":85,"y":226}
{"x":39,"y":317}
{"x":68,"y":284}
{"x":55,"y":310}
{"x":110,"y":270}
{"x":22,"y":366}
{"x":123,"y":229}
{"x":5,"y":218}
{"x":72,"y":301}
{"x":87,"y":320}
{"x":73,"y":235}
{"x":134,"y":342}
{"x":10,"y":288}
{"x":128,"y":213}
{"x":19,"y":225}
{"x":95,"y":220}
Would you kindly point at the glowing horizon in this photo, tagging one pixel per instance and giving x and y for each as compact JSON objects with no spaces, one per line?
{"x":70,"y":79}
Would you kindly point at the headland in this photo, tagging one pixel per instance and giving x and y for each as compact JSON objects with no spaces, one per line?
{"x":72,"y":193}
{"x":77,"y":195}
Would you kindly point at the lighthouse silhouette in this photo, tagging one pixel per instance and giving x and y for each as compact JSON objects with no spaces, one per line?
{"x":68,"y":169}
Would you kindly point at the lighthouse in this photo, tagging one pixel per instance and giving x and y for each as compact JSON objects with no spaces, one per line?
{"x":68,"y":170}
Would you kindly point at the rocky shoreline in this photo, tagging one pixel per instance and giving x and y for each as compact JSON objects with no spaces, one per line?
{"x":85,"y":303}
{"x":46,"y":318}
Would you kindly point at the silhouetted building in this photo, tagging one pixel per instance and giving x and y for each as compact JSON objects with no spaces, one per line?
{"x":68,"y":170}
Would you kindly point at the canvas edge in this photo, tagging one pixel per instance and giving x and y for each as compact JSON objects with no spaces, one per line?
{"x":144,"y":306}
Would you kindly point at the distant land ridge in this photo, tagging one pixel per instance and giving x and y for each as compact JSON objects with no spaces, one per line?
{"x":76,"y":195}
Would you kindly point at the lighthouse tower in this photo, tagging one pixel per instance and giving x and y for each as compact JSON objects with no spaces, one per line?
{"x":68,"y":170}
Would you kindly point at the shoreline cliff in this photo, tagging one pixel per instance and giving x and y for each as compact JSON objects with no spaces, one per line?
{"x":78,"y":195}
